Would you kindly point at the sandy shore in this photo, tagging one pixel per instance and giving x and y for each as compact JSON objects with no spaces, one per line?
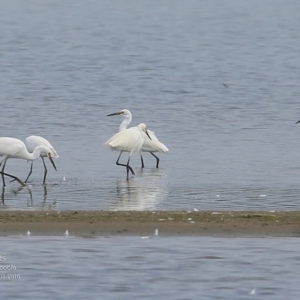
{"x":104,"y":223}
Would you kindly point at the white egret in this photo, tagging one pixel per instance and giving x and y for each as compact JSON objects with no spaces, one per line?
{"x":34,"y":141}
{"x":153,"y":145}
{"x":14,"y":148}
{"x":128,"y":140}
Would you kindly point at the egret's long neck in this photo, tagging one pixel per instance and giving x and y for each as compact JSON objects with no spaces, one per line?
{"x":126,"y":122}
{"x":35,"y":154}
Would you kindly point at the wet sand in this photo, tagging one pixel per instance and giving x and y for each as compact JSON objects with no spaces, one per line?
{"x":168,"y":223}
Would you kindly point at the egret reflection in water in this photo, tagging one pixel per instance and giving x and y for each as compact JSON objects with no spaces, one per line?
{"x":12,"y":192}
{"x":145,"y":192}
{"x":44,"y":205}
{"x":36,"y":199}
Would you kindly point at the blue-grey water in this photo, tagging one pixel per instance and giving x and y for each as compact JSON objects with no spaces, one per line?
{"x":65,"y":65}
{"x":154,"y":268}
{"x":218,"y":82}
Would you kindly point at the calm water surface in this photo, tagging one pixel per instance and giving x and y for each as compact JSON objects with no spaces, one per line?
{"x":65,"y":65}
{"x":158,"y":267}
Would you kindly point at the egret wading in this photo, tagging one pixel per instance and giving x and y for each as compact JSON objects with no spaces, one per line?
{"x":128,"y":140}
{"x":153,"y":145}
{"x":34,"y":141}
{"x":15,"y":148}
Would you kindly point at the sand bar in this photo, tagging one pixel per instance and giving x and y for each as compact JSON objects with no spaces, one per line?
{"x":168,"y":223}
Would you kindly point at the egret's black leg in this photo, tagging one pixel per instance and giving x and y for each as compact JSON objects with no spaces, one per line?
{"x":45,"y":174}
{"x":142,"y":161}
{"x":14,"y":177}
{"x":2,"y":175}
{"x":2,"y":170}
{"x":3,"y":181}
{"x":157,"y":159}
{"x":30,"y":171}
{"x":128,"y":167}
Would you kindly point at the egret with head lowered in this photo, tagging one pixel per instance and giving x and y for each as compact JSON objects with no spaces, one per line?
{"x":34,"y":141}
{"x":128,"y":140}
{"x":149,"y":145}
{"x":15,"y":148}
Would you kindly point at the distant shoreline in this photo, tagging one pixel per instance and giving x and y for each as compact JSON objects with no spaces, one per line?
{"x":144,"y":223}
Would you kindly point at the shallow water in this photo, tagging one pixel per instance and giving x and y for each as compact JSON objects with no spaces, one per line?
{"x":219,"y":84}
{"x":150,"y":268}
{"x":66,"y":65}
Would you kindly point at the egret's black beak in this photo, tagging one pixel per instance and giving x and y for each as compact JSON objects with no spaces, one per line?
{"x":148,"y":134}
{"x":114,"y":114}
{"x":297,"y":122}
{"x":49,"y":155}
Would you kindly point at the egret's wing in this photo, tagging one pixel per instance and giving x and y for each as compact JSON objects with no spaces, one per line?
{"x":10,"y":146}
{"x":34,"y":141}
{"x":153,"y":145}
{"x":128,"y":140}
{"x":151,"y":133}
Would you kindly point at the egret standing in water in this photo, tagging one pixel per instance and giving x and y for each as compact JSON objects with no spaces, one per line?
{"x":153,"y":145}
{"x":128,"y":140}
{"x":14,"y":148}
{"x":34,"y":141}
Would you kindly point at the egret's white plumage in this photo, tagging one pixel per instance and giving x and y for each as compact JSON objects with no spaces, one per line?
{"x":153,"y":145}
{"x":15,"y":148}
{"x":128,"y":140}
{"x":34,"y":141}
